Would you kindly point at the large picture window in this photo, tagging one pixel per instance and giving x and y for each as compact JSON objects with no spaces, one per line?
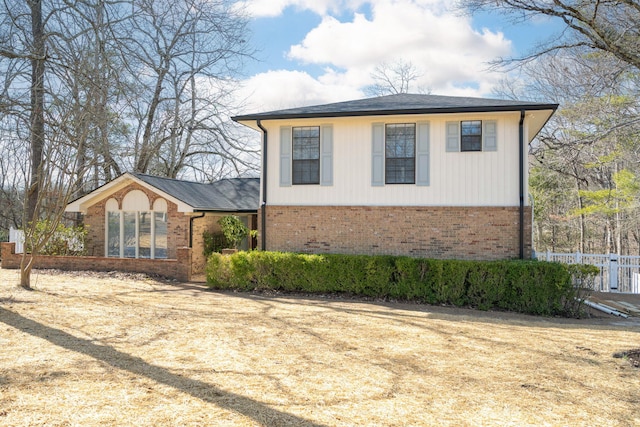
{"x":400,"y":153}
{"x":136,"y":230}
{"x":306,"y":155}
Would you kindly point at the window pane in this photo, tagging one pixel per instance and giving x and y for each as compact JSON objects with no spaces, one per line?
{"x":130,"y":235}
{"x":306,"y":155}
{"x":144,"y":234}
{"x":161,"y":235}
{"x":306,"y":143}
{"x":400,"y":171}
{"x":306,"y":171}
{"x":400,"y":146}
{"x":113,"y":234}
{"x":471,"y":135}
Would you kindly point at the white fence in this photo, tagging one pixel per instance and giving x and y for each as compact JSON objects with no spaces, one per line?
{"x":618,"y":273}
{"x":17,"y":236}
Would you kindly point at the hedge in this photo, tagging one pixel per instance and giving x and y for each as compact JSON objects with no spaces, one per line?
{"x":533,"y":287}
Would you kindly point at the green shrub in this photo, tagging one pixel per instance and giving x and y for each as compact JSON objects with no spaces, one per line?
{"x":214,"y":242}
{"x":487,"y":285}
{"x":233,"y":229}
{"x":61,"y":240}
{"x":533,"y":287}
{"x":582,"y":280}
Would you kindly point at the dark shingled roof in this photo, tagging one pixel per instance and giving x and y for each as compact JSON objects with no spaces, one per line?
{"x":226,"y":195}
{"x":403,"y":103}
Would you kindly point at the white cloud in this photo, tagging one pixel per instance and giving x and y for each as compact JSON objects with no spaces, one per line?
{"x":443,"y":46}
{"x":272,"y":8}
{"x":280,"y":89}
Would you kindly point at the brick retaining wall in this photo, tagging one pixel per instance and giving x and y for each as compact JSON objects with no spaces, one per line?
{"x":474,"y":233}
{"x":179,"y":269}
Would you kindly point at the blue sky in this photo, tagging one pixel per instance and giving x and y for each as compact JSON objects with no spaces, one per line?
{"x":319,"y":51}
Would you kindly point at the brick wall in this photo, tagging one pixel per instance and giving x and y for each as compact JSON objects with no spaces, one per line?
{"x":209,"y":222}
{"x":179,"y":268}
{"x":177,"y":222}
{"x":476,"y":233}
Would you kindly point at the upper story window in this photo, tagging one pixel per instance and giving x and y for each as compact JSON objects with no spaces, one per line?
{"x":306,"y":155}
{"x":471,"y":135}
{"x":400,"y":153}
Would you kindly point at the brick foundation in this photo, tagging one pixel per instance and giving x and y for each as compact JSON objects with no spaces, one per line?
{"x":474,"y":233}
{"x":179,"y":268}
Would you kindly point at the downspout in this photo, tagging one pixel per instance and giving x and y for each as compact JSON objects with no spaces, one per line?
{"x":263,"y":203}
{"x":191,"y":228}
{"x":521,"y":151}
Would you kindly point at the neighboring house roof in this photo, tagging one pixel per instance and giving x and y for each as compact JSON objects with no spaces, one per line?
{"x":226,"y":195}
{"x":403,"y":103}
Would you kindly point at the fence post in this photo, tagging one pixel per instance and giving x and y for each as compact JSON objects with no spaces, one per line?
{"x":613,"y":272}
{"x":578,"y":257}
{"x":17,"y":236}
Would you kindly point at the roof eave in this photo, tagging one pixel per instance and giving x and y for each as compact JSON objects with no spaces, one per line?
{"x":395,"y":112}
{"x":225,"y":211}
{"x":81,"y":204}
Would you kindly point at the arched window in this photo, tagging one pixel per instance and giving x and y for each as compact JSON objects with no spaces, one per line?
{"x":136,"y":231}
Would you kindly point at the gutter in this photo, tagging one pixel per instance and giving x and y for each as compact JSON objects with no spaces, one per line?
{"x":263,"y":203}
{"x":522,"y":183}
{"x":191,"y":228}
{"x":279,"y":115}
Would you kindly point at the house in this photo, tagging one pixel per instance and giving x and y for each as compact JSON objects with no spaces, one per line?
{"x":418,"y":175}
{"x":148,"y":217}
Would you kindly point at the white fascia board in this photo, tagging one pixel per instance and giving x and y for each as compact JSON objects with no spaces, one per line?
{"x":83,"y":203}
{"x":537,"y":120}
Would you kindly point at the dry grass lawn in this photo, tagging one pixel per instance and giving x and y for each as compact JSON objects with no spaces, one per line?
{"x":89,"y":350}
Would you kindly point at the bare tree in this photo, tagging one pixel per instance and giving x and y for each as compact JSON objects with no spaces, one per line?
{"x":182,"y":58}
{"x":591,"y":67}
{"x":95,"y":71}
{"x":585,"y":161}
{"x":393,"y":78}
{"x":598,"y":25}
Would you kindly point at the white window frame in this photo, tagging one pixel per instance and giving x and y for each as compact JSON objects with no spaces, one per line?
{"x":151,"y":212}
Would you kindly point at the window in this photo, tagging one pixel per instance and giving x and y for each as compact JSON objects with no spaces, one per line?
{"x":113,"y":233}
{"x":136,"y":231}
{"x":471,"y":135}
{"x":160,"y":238}
{"x":306,"y":155}
{"x":144,"y":234}
{"x":399,"y":150}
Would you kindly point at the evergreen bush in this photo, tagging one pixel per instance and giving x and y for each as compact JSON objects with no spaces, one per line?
{"x":533,"y":287}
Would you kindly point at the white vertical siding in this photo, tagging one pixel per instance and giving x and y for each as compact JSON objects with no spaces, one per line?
{"x":488,"y":178}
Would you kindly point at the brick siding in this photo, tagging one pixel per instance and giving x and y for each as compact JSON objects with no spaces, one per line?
{"x":179,"y":268}
{"x":474,"y":233}
{"x":209,"y":222}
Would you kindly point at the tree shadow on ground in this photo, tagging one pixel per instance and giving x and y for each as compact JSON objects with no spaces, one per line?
{"x":255,"y":410}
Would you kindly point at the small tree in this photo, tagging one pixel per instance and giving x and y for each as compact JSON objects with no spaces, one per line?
{"x":233,"y":229}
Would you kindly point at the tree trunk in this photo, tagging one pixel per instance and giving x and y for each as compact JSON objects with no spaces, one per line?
{"x":26,"y":265}
{"x":36,"y":131}
{"x":37,"y":107}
